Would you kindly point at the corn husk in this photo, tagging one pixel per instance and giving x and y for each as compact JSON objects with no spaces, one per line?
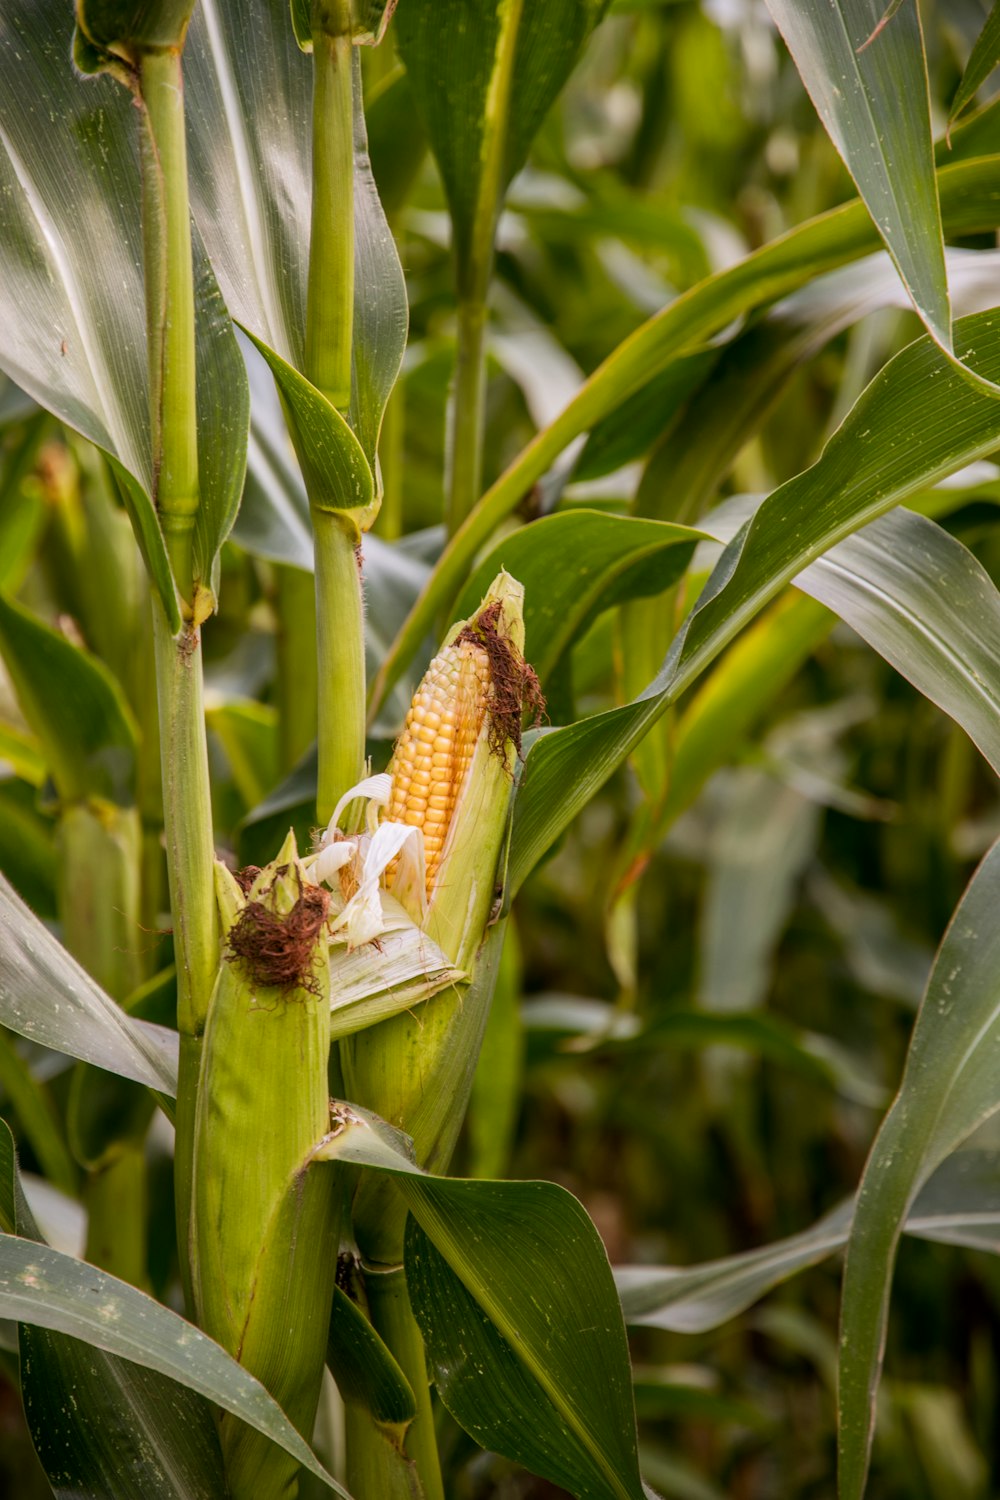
{"x":264,"y":1226}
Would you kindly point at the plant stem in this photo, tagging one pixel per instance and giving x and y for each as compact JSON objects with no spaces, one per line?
{"x":330,"y":314}
{"x":187,"y":807}
{"x":329,"y":329}
{"x":468,"y":413}
{"x":475,"y":269}
{"x":296,"y":676}
{"x":187,"y":814}
{"x":170,"y":313}
{"x":341,"y":660}
{"x":392,"y":1318}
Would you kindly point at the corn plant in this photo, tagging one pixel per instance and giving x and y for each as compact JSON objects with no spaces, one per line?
{"x":281,"y":1289}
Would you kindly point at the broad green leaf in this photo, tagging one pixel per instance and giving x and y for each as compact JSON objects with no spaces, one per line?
{"x":49,"y":1290}
{"x":75,"y":707}
{"x":574,"y":565}
{"x":856,"y":72}
{"x":140,"y":1434}
{"x":558,"y":1357}
{"x":484,"y":74}
{"x":921,"y":600}
{"x":47,"y":997}
{"x":69,"y":182}
{"x":950,"y":1086}
{"x":248,"y":732}
{"x":919,"y":420}
{"x":249,"y":99}
{"x":27,"y":846}
{"x":985,"y":56}
{"x":844,"y":234}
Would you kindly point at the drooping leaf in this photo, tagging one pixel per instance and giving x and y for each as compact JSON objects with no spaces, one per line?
{"x":958,"y":1205}
{"x":47,"y":997}
{"x":857,"y":70}
{"x":918,"y":421}
{"x":949,"y":1087}
{"x":49,"y":1290}
{"x":984,"y":57}
{"x":70,"y":183}
{"x":843,"y":234}
{"x":74,"y":705}
{"x":496,"y":1318}
{"x":484,"y":74}
{"x":923,"y":601}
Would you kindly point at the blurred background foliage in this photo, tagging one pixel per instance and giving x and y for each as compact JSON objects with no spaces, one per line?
{"x":702,"y":1048}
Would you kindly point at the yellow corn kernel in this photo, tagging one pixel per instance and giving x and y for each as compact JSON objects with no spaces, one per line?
{"x":434,"y":751}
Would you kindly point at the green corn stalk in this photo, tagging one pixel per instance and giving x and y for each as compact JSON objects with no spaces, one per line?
{"x":264,"y":1223}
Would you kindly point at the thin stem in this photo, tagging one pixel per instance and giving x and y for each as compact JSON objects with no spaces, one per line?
{"x":392,"y":1318}
{"x":187,"y":815}
{"x":341,"y":660}
{"x":468,"y":413}
{"x":329,"y":327}
{"x":475,"y":270}
{"x":170,"y":313}
{"x":330,"y":304}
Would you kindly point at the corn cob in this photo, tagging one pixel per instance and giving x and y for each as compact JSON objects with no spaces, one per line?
{"x":434,"y":752}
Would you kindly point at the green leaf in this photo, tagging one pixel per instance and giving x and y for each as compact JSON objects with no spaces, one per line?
{"x":47,"y":997}
{"x":36,"y":1113}
{"x":553,"y":1349}
{"x":366,"y":1372}
{"x":919,"y":420}
{"x":856,"y":71}
{"x":574,"y":565}
{"x":150,"y":1419}
{"x":166,"y":1431}
{"x":249,"y":92}
{"x":75,"y":707}
{"x":967,"y":201}
{"x":69,"y":181}
{"x":925,"y":604}
{"x":950,"y":1086}
{"x":985,"y":56}
{"x":959,"y":1205}
{"x":484,"y":74}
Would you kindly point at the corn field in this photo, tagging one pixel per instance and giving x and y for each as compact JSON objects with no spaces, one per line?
{"x":499,"y":727}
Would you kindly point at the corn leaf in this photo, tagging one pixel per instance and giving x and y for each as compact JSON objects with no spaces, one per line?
{"x":573,"y":566}
{"x":132,"y":1368}
{"x":985,"y":56}
{"x":47,"y":997}
{"x":75,"y":707}
{"x":950,"y":1087}
{"x":959,"y":1205}
{"x":967,"y":200}
{"x":922,"y":601}
{"x":918,"y":421}
{"x":858,"y":61}
{"x":69,"y":183}
{"x":514,"y":1295}
{"x":484,"y":75}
